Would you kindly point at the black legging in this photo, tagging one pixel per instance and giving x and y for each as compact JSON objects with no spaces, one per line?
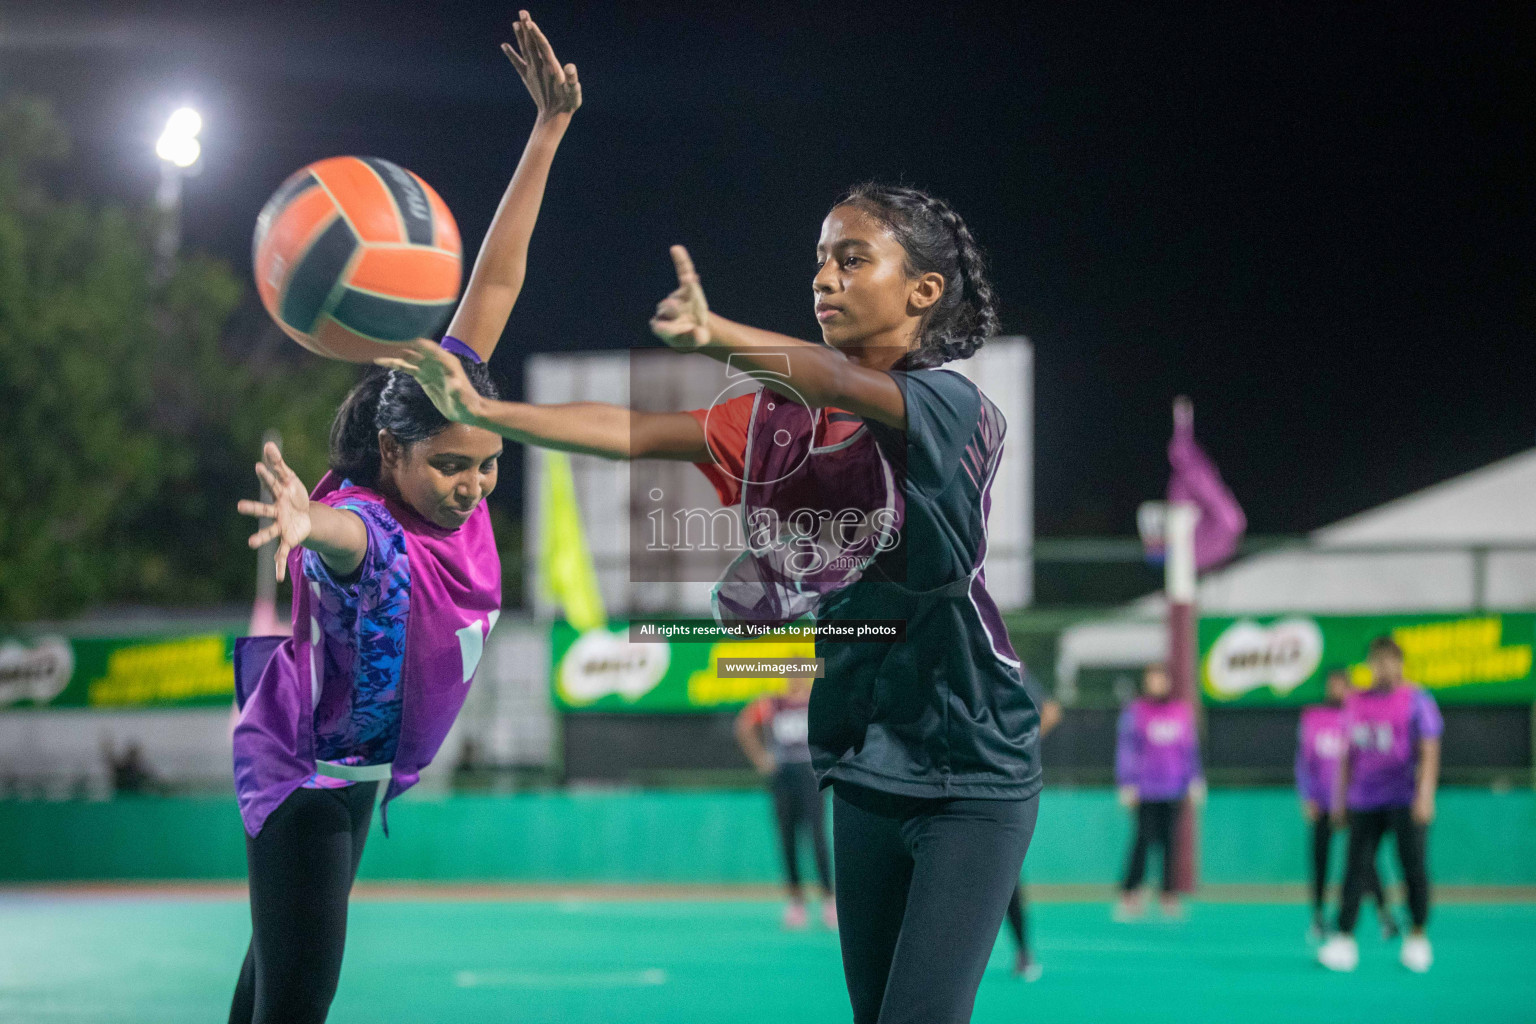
{"x":1018,"y":918}
{"x":922,"y":885}
{"x":797,"y":804}
{"x":301,"y":871}
{"x":1322,"y":842}
{"x":1365,"y":831}
{"x":1155,"y":821}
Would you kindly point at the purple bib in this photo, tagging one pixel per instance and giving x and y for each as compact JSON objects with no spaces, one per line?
{"x":1383,"y":729}
{"x":1319,"y":746}
{"x":1158,"y":750}
{"x":814,"y":516}
{"x":455,"y":582}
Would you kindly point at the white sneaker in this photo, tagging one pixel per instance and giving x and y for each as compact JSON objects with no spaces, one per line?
{"x":1339,"y":953}
{"x":1416,"y":954}
{"x":1130,"y":907}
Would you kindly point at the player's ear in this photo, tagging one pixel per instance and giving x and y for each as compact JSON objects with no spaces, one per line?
{"x":390,"y":452}
{"x":925,"y":292}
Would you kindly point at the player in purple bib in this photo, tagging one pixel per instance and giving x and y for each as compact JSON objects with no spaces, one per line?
{"x":1386,"y":782}
{"x":1319,"y":745}
{"x":397,"y":584}
{"x":1157,"y":764}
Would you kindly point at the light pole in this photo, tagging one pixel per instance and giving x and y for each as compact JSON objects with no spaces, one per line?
{"x":178,"y":150}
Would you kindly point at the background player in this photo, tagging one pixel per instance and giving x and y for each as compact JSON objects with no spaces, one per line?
{"x":1319,"y":745}
{"x":1387,"y":781}
{"x":785,"y":759}
{"x":1157,"y":764}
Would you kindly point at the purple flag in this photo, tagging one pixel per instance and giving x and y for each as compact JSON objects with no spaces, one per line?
{"x":1196,"y":480}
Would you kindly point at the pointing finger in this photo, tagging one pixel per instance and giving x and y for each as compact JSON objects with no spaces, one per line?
{"x":684,"y":264}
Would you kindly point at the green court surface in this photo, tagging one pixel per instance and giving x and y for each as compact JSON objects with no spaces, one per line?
{"x":154,"y":959}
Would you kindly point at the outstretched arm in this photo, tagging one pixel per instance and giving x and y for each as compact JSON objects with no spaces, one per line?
{"x":336,"y":535}
{"x":597,"y":428}
{"x":499,"y":270}
{"x":821,"y":375}
{"x":591,"y":428}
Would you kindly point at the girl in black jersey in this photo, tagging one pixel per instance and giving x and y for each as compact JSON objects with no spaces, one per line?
{"x":931,"y":744}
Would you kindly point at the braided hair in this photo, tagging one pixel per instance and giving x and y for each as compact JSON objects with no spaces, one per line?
{"x":393,"y":401}
{"x":936,"y":241}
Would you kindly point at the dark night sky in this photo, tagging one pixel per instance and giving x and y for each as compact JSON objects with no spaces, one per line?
{"x":1317,"y":220}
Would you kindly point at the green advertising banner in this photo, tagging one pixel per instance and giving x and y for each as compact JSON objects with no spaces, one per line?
{"x":1274,"y":660}
{"x":602,"y":670}
{"x":117,"y":672}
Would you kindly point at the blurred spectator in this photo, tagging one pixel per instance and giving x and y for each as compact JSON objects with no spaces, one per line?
{"x":129,"y":772}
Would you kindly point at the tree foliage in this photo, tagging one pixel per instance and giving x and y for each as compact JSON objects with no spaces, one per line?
{"x":131,"y":411}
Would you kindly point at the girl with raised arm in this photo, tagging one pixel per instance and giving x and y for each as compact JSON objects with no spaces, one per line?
{"x":396,"y":585}
{"x":930,"y":745}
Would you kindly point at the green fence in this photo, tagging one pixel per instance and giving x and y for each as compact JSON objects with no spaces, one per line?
{"x":1248,"y":836}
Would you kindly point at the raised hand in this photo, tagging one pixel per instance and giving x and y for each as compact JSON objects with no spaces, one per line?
{"x":682,"y":318}
{"x":554,"y":88}
{"x":289,"y":510}
{"x":441,"y":376}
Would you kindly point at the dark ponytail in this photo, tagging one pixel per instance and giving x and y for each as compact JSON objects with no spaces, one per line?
{"x":936,"y":240}
{"x":393,"y":401}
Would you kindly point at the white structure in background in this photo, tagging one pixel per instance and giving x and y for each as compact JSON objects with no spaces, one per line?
{"x":1004,"y":368}
{"x":1468,"y":542}
{"x":507,"y":715}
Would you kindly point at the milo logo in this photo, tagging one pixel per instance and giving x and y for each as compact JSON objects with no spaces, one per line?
{"x":1246,"y":656}
{"x":37,"y":674}
{"x":601,"y":663}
